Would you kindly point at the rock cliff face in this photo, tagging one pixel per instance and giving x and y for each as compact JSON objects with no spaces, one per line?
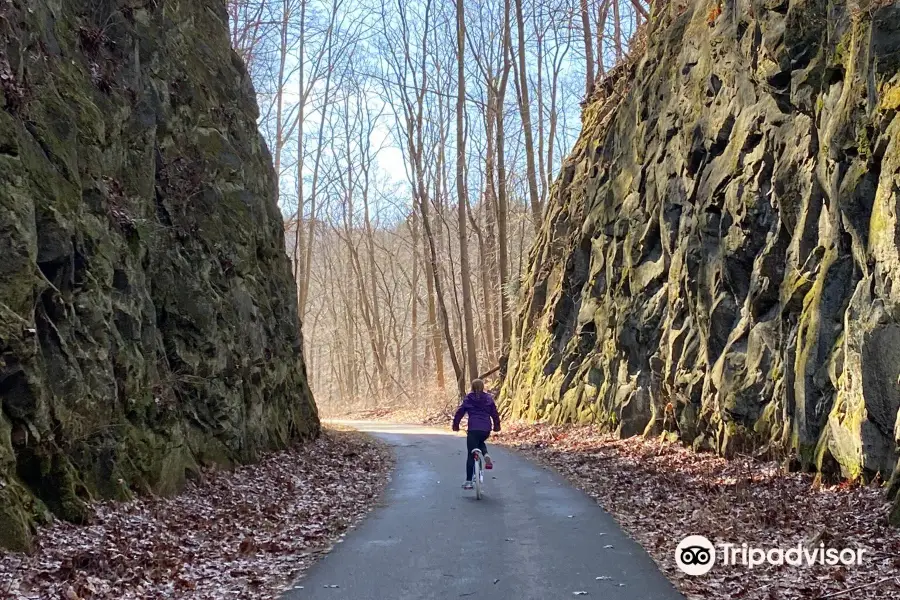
{"x":147,"y":315}
{"x":719,"y":256}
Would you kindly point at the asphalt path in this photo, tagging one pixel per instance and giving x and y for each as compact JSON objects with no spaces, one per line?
{"x":531,"y":537}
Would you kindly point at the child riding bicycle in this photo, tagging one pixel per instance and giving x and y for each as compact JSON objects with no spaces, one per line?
{"x":482,"y":413}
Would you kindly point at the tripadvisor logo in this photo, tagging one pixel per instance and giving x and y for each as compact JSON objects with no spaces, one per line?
{"x":696,"y":555}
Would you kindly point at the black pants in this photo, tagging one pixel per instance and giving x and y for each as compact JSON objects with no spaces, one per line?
{"x":474,"y":439}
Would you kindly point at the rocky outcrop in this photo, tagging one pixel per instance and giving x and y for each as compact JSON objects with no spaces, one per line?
{"x":720,"y":252}
{"x":148,"y":320}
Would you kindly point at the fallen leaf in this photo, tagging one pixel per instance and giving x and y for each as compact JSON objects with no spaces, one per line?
{"x":245,"y":533}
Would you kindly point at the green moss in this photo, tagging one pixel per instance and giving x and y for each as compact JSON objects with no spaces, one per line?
{"x":15,"y":530}
{"x":843,"y":435}
{"x":765,"y":425}
{"x":775,"y":374}
{"x":864,"y":144}
{"x":842,"y":48}
{"x":890,"y":98}
{"x":612,"y":419}
{"x":881,"y":222}
{"x":794,"y":286}
{"x":807,"y":455}
{"x":808,"y":329}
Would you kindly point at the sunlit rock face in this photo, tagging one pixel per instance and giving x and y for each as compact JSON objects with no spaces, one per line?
{"x":719,"y":256}
{"x":148,"y":320}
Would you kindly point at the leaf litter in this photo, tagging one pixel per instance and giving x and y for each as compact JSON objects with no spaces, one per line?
{"x":661,"y":492}
{"x":246,"y":533}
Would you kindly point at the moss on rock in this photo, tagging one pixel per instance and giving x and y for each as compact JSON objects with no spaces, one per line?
{"x":148,"y":320}
{"x":744,"y":265}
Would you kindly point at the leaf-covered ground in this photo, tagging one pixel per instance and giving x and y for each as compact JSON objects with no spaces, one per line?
{"x":423,"y":415}
{"x":428,"y":405}
{"x":241,"y":534}
{"x":662,"y":492}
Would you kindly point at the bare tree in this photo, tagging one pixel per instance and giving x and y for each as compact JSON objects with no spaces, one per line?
{"x":525,"y":110}
{"x":502,"y":189}
{"x":411,"y":85}
{"x":462,"y":196}
{"x":588,"y":50}
{"x":251,"y":28}
{"x":385,"y":267}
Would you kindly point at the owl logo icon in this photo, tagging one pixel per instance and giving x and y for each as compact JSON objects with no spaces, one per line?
{"x":695,"y":555}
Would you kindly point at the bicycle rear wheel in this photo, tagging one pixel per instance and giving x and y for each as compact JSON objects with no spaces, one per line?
{"x":478,"y":478}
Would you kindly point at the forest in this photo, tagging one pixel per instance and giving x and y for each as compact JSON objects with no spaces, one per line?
{"x":416,"y":144}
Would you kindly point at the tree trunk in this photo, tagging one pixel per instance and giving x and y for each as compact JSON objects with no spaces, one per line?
{"x":311,"y":224}
{"x":617,"y":24}
{"x":299,"y":240}
{"x":588,"y":50}
{"x":423,"y":206}
{"x":502,"y":190}
{"x":414,"y":335}
{"x":303,"y":291}
{"x":279,"y":93}
{"x":525,"y":110}
{"x":542,"y":178}
{"x":379,"y":341}
{"x":489,"y":254}
{"x":487,"y":296}
{"x":601,"y":31}
{"x":434,"y":330}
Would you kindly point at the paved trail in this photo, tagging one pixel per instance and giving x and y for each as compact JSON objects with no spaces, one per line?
{"x":533,"y":537}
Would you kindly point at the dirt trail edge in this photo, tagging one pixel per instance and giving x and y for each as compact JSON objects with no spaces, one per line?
{"x":534,"y":536}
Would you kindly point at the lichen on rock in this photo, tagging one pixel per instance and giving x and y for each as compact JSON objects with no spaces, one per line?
{"x":719,"y":253}
{"x":148,"y":321}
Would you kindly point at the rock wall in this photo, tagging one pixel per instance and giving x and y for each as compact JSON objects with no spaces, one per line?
{"x":719,"y":254}
{"x":148,"y":320}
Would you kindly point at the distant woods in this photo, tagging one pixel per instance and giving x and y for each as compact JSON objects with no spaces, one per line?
{"x":415,"y":143}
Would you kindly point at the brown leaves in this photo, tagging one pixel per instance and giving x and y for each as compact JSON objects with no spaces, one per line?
{"x":430,"y":405}
{"x":660,"y":492}
{"x":245,"y":533}
{"x":248,"y":546}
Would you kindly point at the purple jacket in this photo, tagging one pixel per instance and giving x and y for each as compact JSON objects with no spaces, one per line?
{"x":482,"y":411}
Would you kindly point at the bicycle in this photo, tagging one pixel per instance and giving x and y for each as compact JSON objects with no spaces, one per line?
{"x":478,"y":476}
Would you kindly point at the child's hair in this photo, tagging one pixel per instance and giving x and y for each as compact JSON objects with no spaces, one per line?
{"x":477,"y":385}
